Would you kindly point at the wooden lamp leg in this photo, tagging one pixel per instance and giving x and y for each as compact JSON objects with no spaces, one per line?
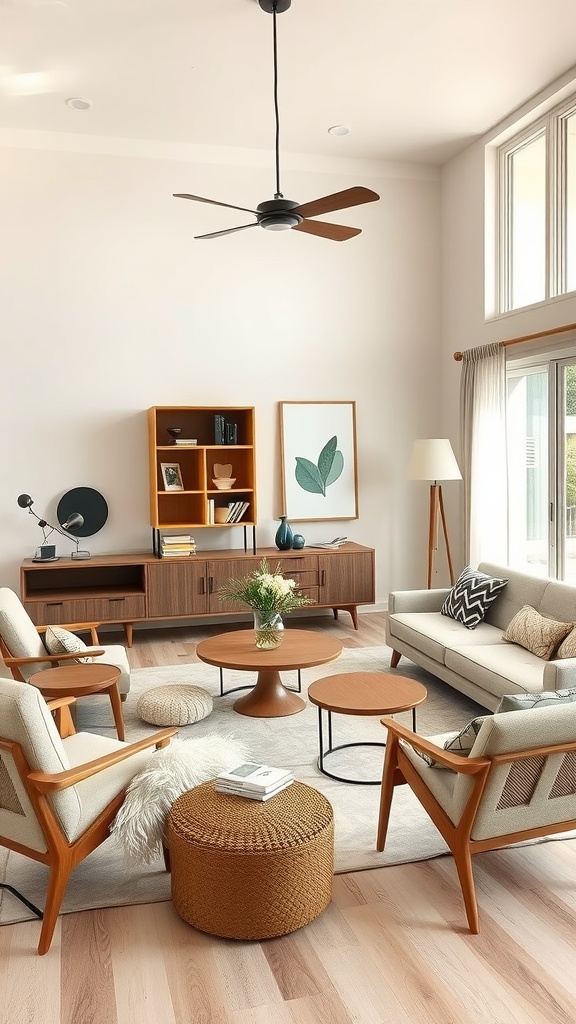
{"x":432,"y":529}
{"x":445,"y":529}
{"x":437,"y":502}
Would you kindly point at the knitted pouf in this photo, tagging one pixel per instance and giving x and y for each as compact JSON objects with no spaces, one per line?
{"x":177,"y":704}
{"x":245,"y":869}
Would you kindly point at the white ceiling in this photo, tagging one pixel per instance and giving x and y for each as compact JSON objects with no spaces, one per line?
{"x":414,"y":79}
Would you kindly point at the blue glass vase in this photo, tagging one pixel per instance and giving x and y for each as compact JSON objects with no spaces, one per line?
{"x":284,"y":535}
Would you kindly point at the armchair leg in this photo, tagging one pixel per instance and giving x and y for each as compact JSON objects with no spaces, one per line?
{"x":387,"y":792}
{"x":57,"y":882}
{"x":395,"y":659}
{"x":463,"y":861}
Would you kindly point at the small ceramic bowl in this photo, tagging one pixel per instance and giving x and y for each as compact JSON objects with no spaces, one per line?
{"x":224,"y":483}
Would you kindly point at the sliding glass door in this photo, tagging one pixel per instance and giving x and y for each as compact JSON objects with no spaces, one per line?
{"x":541,"y":428}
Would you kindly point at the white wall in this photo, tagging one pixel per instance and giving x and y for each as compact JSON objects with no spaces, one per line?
{"x":110,"y":306}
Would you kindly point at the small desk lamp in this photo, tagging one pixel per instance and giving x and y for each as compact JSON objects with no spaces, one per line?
{"x":433,"y":459}
{"x":47,"y":552}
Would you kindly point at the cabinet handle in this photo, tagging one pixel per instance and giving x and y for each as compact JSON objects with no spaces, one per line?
{"x":203,"y":585}
{"x":54,"y":604}
{"x":210,"y":584}
{"x":323,"y":578}
{"x":111,"y":599}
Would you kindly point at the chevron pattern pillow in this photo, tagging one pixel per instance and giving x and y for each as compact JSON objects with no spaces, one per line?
{"x":471,"y":597}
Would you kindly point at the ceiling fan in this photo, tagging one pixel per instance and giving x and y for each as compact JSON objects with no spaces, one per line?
{"x":279,"y":214}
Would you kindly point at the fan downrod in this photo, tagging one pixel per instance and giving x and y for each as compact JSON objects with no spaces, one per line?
{"x":270,"y":5}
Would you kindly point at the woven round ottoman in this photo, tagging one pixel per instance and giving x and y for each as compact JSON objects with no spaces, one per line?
{"x":245,"y":869}
{"x":177,"y":704}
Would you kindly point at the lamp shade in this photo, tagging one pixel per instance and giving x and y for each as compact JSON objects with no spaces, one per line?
{"x":433,"y":459}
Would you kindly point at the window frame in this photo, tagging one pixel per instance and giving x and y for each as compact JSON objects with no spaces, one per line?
{"x":553,"y":125}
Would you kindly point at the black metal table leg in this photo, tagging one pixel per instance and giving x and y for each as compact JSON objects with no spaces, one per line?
{"x":19,"y":896}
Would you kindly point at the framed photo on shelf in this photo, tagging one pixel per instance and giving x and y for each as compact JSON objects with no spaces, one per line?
{"x":319,"y":476}
{"x":171,"y":476}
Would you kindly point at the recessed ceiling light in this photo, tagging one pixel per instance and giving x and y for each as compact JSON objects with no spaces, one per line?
{"x":339,"y":129}
{"x":78,"y":103}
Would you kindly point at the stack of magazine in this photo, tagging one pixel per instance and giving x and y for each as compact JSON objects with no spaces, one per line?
{"x":255,"y":781}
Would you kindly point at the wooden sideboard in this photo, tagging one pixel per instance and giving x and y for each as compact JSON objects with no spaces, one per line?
{"x":142,"y":588}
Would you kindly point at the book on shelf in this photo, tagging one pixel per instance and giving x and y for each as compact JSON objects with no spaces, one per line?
{"x":177,"y":538}
{"x":210,"y":511}
{"x":185,"y":441}
{"x":258,"y":778}
{"x":219,"y":437}
{"x":236,"y":510}
{"x":251,"y":794}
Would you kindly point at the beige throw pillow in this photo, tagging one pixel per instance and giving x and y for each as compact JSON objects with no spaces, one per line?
{"x":62,"y":641}
{"x":567,"y":648}
{"x":536,"y":633}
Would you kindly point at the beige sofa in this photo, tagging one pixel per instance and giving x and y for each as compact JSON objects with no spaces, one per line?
{"x":478,"y":662}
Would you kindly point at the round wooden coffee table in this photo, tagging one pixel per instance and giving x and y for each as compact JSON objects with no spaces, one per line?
{"x":300,"y":648}
{"x":81,"y":681}
{"x":361,"y":693}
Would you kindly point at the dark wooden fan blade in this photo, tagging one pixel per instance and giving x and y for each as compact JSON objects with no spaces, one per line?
{"x":337,"y":232}
{"x":213,"y":202}
{"x":338,"y":201}
{"x":228,"y":231}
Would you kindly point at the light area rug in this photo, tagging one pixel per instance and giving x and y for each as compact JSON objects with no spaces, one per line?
{"x":104,"y":879}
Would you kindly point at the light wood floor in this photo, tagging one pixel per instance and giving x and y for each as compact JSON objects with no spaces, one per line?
{"x":392,"y":947}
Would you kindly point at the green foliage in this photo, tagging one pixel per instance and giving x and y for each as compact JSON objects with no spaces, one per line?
{"x":267,"y":592}
{"x":316,"y":478}
{"x":571,"y":469}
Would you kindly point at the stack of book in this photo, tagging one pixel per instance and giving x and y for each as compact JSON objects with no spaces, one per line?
{"x":184,"y":441}
{"x":236,"y":510}
{"x":176,"y":546}
{"x":254,"y":781}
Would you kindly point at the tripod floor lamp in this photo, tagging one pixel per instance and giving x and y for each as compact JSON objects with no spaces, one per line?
{"x":433,"y":459}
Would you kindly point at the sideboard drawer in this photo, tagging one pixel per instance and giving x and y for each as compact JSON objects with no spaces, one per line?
{"x":115,"y":609}
{"x":53,"y":613}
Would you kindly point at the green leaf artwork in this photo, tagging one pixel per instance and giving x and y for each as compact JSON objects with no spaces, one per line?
{"x":316,"y":478}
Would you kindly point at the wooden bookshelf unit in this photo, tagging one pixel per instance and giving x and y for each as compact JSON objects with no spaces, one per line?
{"x":190,"y":506}
{"x":142,"y":588}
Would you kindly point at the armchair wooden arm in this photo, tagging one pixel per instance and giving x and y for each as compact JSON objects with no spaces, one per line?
{"x":457,"y":762}
{"x":52,"y":783}
{"x":89,"y":653}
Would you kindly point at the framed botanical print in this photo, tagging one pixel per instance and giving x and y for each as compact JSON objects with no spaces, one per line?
{"x":319,"y":477}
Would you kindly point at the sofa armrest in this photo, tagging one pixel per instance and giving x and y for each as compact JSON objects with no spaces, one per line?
{"x":416,"y":600}
{"x":559,"y":675}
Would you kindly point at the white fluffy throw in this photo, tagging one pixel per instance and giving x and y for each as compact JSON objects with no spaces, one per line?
{"x":183,"y":764}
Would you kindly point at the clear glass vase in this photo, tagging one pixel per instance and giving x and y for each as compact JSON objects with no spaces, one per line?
{"x":268,"y":630}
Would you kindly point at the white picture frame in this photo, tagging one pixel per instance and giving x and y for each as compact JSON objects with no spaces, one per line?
{"x":319,"y":475}
{"x":171,"y":476}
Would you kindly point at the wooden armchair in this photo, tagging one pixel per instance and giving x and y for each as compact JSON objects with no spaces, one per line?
{"x":24,"y":653}
{"x":58,"y":796}
{"x":518,"y":783}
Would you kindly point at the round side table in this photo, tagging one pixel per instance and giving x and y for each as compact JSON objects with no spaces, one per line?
{"x":361,"y":693}
{"x":81,"y":681}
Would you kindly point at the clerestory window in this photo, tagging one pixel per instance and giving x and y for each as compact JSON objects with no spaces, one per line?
{"x":536,"y":211}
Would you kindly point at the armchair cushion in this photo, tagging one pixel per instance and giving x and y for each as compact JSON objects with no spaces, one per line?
{"x":62,"y":641}
{"x":458,"y":742}
{"x":18,"y":631}
{"x":471,"y":596}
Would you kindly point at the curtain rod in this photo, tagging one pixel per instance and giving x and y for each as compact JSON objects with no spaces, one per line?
{"x":527,"y":337}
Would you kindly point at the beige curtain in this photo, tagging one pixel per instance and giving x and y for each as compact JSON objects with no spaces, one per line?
{"x":483,"y":432}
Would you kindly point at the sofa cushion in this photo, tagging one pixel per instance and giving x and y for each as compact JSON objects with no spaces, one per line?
{"x":536,"y":633}
{"x":498,"y":669}
{"x":432,"y":633}
{"x":525,"y":701}
{"x":567,"y":648}
{"x":471,"y":596}
{"x":521,"y":589}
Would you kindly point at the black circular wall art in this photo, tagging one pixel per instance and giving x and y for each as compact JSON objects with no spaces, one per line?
{"x":90,"y":504}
